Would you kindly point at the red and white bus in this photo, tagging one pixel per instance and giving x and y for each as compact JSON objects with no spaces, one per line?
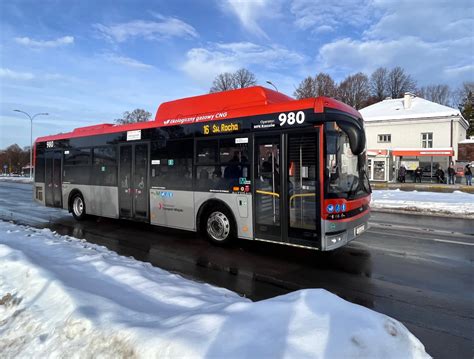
{"x":250,"y":163}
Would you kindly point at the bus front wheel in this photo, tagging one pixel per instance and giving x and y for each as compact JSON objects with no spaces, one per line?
{"x":219,"y":225}
{"x":78,"y":207}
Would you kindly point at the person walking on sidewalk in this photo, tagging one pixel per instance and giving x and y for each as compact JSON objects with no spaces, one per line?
{"x":440,"y":175}
{"x":451,"y":174}
{"x":468,"y":175}
{"x":402,"y":173}
{"x":418,"y":174}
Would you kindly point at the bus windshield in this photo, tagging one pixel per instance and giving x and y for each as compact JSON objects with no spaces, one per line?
{"x":345,"y":172}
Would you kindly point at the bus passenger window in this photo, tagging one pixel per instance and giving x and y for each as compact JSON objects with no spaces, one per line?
{"x":171,"y":164}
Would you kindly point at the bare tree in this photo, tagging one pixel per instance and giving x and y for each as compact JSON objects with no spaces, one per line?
{"x":465,"y":99}
{"x":137,"y":115}
{"x":14,"y":157}
{"x":223,"y":82}
{"x":398,"y":82}
{"x":354,"y":90}
{"x":378,"y":84}
{"x":306,"y":89}
{"x":325,"y":85}
{"x":437,"y":93}
{"x":230,"y":81}
{"x":244,"y":78}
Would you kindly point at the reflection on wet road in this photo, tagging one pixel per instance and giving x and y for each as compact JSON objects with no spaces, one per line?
{"x":413,"y":268}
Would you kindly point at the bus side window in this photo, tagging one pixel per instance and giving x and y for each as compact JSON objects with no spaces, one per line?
{"x":171,"y":164}
{"x":221,"y":163}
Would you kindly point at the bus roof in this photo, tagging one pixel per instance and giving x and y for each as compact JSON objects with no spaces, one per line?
{"x":224,"y":105}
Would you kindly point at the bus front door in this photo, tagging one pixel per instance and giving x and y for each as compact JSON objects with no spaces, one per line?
{"x":53,"y":182}
{"x":133,"y":181}
{"x":286,"y":188}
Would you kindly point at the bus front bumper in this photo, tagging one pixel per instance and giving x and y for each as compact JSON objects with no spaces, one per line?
{"x":339,"y":233}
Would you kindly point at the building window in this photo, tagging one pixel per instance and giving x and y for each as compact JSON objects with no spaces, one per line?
{"x":385,"y":138}
{"x":427,"y":140}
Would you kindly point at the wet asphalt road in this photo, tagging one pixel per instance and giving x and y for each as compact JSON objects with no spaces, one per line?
{"x":417,"y":269}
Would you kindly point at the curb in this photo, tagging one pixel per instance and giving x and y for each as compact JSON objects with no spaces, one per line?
{"x":420,"y":213}
{"x":422,"y":187}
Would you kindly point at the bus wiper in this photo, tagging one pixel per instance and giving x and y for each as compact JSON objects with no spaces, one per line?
{"x":354,"y":181}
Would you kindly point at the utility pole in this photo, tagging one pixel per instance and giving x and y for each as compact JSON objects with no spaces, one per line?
{"x":271,"y":83}
{"x":31,"y":136}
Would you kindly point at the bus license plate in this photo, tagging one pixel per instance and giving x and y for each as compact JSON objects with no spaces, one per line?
{"x":360,"y":229}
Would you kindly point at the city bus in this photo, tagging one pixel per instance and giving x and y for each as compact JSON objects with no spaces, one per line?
{"x":250,"y":163}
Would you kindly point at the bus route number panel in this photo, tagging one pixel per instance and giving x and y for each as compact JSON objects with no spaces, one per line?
{"x":221,"y":128}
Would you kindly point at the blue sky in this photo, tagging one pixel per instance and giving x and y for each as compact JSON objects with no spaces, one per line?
{"x":86,"y":62}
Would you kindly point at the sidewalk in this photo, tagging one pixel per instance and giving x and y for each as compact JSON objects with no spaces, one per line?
{"x":423,"y":187}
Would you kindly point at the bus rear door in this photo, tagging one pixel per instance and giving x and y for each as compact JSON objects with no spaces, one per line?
{"x":53,"y":178}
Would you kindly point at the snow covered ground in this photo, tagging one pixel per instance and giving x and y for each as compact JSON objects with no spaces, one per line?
{"x":456,"y":203}
{"x":61,"y":296}
{"x":16,"y":179}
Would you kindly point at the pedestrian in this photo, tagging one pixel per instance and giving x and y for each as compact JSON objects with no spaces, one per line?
{"x":439,"y":175}
{"x":451,"y":174}
{"x":468,"y":175}
{"x":402,"y":172}
{"x":418,"y":174}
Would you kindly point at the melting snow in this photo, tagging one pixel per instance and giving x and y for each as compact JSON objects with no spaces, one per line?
{"x":431,"y":202}
{"x":61,"y":296}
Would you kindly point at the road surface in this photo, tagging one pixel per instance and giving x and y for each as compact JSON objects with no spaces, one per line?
{"x":417,"y":269}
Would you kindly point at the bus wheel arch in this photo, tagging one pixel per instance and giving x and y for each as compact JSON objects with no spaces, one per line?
{"x":216,"y":213}
{"x":77,"y":205}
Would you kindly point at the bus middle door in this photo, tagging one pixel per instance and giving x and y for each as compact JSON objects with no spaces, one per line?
{"x":133,"y":181}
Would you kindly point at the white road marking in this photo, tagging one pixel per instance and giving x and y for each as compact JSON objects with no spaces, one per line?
{"x":426,"y":239}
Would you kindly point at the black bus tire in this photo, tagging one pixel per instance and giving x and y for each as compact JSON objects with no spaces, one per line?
{"x":78,"y":207}
{"x":219,"y":226}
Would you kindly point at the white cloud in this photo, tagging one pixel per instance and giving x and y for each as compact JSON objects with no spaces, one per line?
{"x":15,"y":75}
{"x":126,"y":61}
{"x":166,"y":27}
{"x":26,"y":41}
{"x":203,"y":64}
{"x":324,"y":16}
{"x":427,"y":62}
{"x":251,"y":12}
{"x":430,"y":20}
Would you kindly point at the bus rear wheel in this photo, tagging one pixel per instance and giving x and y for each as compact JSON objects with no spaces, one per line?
{"x":78,"y":207}
{"x":219,"y":226}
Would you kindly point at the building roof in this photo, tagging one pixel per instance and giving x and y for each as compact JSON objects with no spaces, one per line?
{"x":406,"y":108}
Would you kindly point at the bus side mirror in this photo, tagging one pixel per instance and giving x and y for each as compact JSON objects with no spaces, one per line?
{"x":356,"y":135}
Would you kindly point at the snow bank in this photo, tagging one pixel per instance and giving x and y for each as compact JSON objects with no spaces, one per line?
{"x":60,"y":296}
{"x":16,"y":179}
{"x":459,"y":203}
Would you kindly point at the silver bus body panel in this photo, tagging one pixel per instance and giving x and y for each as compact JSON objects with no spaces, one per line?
{"x":38,"y":193}
{"x":172,"y":209}
{"x":239,"y":204}
{"x":179,"y":209}
{"x":344,"y":232}
{"x":99,"y":200}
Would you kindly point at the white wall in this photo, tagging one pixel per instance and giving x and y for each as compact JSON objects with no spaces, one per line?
{"x":407,"y":133}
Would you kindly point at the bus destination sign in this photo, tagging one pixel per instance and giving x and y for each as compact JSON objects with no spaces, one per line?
{"x":215,"y":129}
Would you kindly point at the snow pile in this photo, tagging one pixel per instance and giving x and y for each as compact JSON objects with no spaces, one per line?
{"x":16,"y":179}
{"x":61,"y":296}
{"x":458,"y":203}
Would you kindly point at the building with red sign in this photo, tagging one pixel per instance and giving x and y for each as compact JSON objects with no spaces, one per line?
{"x":413,"y":132}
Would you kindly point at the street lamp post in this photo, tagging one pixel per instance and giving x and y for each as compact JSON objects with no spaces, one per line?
{"x":271,"y":83}
{"x":31,"y":135}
